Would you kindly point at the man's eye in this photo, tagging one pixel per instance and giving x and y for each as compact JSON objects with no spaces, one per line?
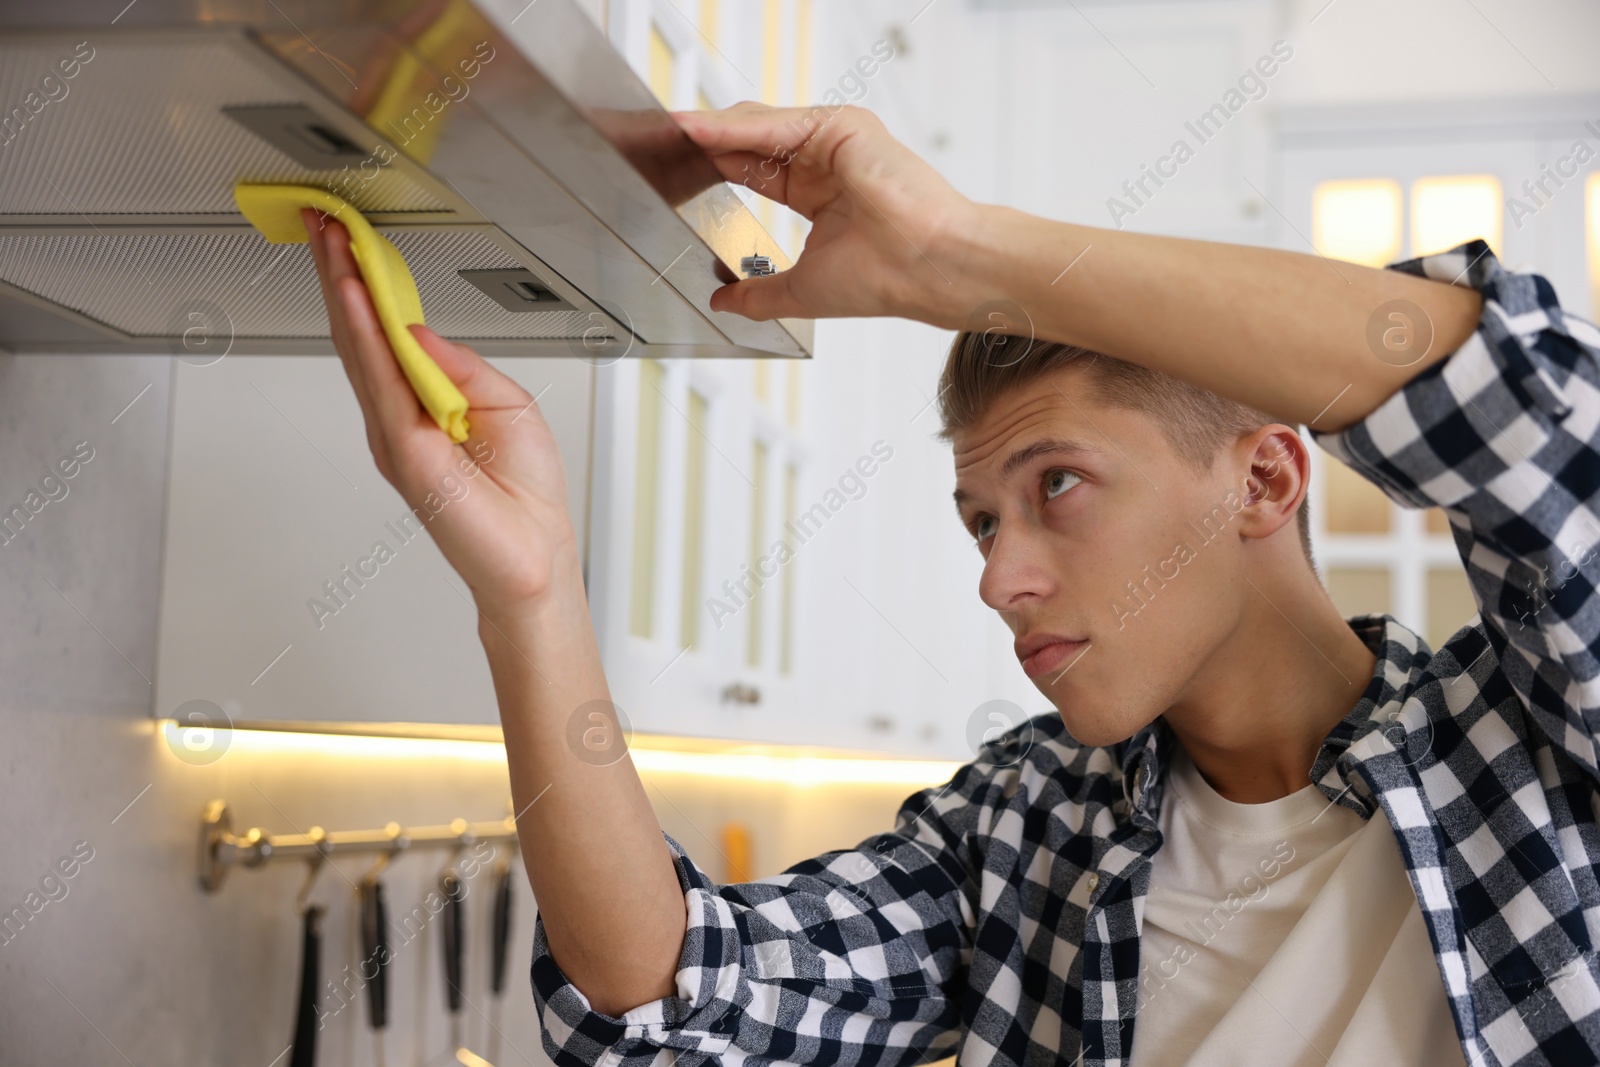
{"x":983,"y":527}
{"x":1059,"y":481}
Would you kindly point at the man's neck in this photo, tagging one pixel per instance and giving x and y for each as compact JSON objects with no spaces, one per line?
{"x":1255,"y":717}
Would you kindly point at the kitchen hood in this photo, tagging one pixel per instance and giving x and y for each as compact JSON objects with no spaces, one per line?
{"x":545,"y":203}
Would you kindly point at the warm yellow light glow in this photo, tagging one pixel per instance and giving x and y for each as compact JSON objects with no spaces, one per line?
{"x":343,"y":745}
{"x":1358,"y":221}
{"x":1448,"y":210}
{"x":1592,"y":220}
{"x":661,"y":67}
{"x":646,"y":497}
{"x":651,"y":755}
{"x":708,"y":24}
{"x":694,"y":506}
{"x":802,"y":52}
{"x":770,"y":53}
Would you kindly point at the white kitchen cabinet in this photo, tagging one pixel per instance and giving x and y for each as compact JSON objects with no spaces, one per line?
{"x":870,"y":634}
{"x":273,"y":497}
{"x":699,"y":465}
{"x":278,"y":604}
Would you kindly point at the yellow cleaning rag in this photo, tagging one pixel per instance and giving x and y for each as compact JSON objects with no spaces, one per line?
{"x":275,"y":211}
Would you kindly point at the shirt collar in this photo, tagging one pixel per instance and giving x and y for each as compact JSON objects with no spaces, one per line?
{"x":1400,"y":655}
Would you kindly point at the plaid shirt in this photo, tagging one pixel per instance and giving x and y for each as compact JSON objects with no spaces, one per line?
{"x":1001,"y":917}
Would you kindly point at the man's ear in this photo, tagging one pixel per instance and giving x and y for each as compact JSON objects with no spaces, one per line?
{"x":1279,"y":474}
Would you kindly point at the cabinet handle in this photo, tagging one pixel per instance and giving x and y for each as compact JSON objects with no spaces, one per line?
{"x":740,"y":693}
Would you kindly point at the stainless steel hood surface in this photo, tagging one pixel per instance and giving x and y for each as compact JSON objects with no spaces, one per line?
{"x":481,"y":138}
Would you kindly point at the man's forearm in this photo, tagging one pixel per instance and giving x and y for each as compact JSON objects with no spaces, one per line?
{"x":1284,"y":332}
{"x":600,"y":869}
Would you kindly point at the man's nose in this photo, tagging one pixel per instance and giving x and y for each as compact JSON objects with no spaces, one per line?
{"x":1016,"y":570}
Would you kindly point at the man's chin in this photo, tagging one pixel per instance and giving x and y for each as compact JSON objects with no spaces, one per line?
{"x":1097,"y":731}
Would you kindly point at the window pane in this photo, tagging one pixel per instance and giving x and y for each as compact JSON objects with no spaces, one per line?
{"x":1448,"y":210}
{"x":644,"y":498}
{"x":758,"y":504}
{"x":793,"y":413}
{"x":661,"y":65}
{"x":1450,"y":603}
{"x":694,"y":497}
{"x":1437,"y":522}
{"x":763,"y":380}
{"x":708,"y":21}
{"x":1357,"y":221}
{"x":786,"y":637}
{"x":802,"y":52}
{"x":770,"y":54}
{"x":1352,"y":504}
{"x":1359,"y":590}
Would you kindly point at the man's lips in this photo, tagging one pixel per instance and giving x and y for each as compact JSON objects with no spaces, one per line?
{"x":1052,"y":655}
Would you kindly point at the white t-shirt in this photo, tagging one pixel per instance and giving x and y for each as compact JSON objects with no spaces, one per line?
{"x":1283,"y":934}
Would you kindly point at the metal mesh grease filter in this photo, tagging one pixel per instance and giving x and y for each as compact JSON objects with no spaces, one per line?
{"x":140,"y":130}
{"x":141,"y":284}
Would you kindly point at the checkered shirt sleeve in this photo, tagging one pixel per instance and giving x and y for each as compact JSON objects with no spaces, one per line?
{"x":1504,"y":435}
{"x":853,"y":957}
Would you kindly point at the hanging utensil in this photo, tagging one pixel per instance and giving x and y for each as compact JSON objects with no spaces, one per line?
{"x":375,"y":955}
{"x":304,"y":1047}
{"x":454,"y":893}
{"x":455,"y":965}
{"x":305,"y":1024}
{"x":499,"y":952}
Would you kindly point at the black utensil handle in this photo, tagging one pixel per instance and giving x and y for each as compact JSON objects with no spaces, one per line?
{"x":450,"y":888}
{"x":305,"y":1024}
{"x":375,"y":952}
{"x":502,"y":926}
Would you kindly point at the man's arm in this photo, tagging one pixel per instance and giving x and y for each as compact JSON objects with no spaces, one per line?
{"x":1284,"y":332}
{"x":853,"y":958}
{"x":1281,"y":331}
{"x":1494,"y":416}
{"x":598,"y":863}
{"x":1504,"y":435}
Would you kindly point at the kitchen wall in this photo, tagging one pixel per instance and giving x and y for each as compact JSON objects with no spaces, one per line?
{"x":128,"y":960}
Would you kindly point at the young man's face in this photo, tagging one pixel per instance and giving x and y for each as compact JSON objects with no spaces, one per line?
{"x":1071,"y":500}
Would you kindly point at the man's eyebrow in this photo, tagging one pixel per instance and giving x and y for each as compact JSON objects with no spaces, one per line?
{"x":1049,"y":446}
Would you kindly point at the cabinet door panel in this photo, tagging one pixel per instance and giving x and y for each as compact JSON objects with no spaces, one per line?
{"x":297,"y":586}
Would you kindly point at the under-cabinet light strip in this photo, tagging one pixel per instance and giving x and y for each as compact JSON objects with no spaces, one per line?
{"x":768,"y":765}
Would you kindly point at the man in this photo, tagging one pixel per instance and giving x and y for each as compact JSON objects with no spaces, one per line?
{"x":1260,"y":832}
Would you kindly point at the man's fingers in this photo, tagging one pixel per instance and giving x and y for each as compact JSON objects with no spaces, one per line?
{"x":753,"y":128}
{"x":386,"y":396}
{"x":360,"y":319}
{"x":483,"y":385}
{"x":317,"y":229}
{"x":758,"y":173}
{"x":760,"y":298}
{"x":339,"y":330}
{"x":396,"y":404}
